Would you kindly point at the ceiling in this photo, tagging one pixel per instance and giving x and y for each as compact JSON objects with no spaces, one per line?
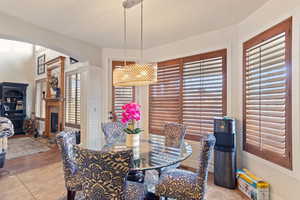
{"x":100,"y":22}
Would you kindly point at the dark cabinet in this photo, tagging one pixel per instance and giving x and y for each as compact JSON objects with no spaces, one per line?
{"x":13,"y":103}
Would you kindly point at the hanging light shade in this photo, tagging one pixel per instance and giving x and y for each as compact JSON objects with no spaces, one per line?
{"x":135,"y":75}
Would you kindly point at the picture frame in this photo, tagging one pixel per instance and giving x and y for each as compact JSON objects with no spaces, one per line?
{"x":41,"y":64}
{"x":73,"y":61}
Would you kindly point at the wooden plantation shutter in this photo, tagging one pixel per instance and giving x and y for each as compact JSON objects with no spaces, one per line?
{"x":165,"y":96}
{"x":72,"y":100}
{"x":267,"y":94}
{"x":204,"y":92}
{"x":121,"y":95}
{"x":191,"y":91}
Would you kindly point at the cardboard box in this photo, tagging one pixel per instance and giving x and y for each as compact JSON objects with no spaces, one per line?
{"x":252,"y":186}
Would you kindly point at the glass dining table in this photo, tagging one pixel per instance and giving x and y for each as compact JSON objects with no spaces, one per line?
{"x":152,"y":153}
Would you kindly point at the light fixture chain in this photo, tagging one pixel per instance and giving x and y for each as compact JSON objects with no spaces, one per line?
{"x":125,"y":36}
{"x":142,"y":29}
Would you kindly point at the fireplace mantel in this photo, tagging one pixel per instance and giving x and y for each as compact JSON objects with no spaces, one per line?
{"x":55,"y":104}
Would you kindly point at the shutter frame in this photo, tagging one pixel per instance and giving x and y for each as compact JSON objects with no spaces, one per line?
{"x":283,"y":27}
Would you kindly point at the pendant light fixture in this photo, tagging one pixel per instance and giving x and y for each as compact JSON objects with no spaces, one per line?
{"x":138,"y":74}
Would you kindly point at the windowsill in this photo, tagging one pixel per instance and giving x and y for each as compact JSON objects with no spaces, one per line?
{"x":72,"y":125}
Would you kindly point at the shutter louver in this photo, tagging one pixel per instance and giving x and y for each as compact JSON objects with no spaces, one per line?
{"x":164,"y":104}
{"x":121,"y":95}
{"x":266,"y":98}
{"x":190,"y":91}
{"x":72,"y":107}
{"x":202,"y":95}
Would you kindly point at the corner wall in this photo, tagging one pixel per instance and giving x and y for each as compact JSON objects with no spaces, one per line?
{"x":284,"y":182}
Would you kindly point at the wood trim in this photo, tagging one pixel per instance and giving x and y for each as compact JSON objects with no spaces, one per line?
{"x":58,"y":62}
{"x":224,"y":84}
{"x":274,"y":30}
{"x":212,"y":54}
{"x":55,"y":60}
{"x":40,"y":119}
{"x":285,"y":26}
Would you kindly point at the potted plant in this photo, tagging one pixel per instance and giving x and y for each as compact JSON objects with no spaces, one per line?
{"x":131,"y":114}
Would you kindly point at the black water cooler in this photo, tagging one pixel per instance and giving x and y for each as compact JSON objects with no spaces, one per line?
{"x":225,"y":152}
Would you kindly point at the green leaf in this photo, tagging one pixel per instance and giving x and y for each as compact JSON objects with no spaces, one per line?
{"x":137,"y":130}
{"x":129,"y":131}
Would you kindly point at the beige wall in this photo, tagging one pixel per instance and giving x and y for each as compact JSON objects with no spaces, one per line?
{"x":284,"y":182}
{"x":16,"y":61}
{"x":16,"y":29}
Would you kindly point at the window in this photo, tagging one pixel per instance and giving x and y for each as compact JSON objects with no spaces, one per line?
{"x":191,"y":91}
{"x":267,"y":94}
{"x":72,"y":115}
{"x":121,"y":95}
{"x":40,"y":87}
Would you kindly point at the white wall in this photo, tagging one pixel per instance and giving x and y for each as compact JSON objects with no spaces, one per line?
{"x":284,"y":182}
{"x":16,"y":61}
{"x":16,"y":29}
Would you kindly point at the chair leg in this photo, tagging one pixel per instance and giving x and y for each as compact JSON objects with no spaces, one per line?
{"x":71,"y":195}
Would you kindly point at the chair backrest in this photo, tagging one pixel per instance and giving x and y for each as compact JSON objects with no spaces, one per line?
{"x":174,"y":134}
{"x":103,"y":173}
{"x":6,"y":127}
{"x":66,"y":141}
{"x":208,"y":143}
{"x":113,"y":132}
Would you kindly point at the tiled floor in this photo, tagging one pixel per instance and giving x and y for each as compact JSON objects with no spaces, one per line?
{"x":43,"y":180}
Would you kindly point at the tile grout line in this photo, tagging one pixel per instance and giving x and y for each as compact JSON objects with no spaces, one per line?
{"x":26,"y":187}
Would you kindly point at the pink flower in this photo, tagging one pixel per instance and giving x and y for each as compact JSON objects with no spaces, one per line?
{"x":131,"y":112}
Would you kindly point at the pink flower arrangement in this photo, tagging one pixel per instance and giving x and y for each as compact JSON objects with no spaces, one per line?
{"x":131,"y":112}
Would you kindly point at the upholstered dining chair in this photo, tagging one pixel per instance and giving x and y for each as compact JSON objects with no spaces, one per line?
{"x":6,"y":130}
{"x":186,"y":185}
{"x":174,"y":137}
{"x":104,"y":175}
{"x":66,"y":141}
{"x":113,"y":132}
{"x":174,"y":134}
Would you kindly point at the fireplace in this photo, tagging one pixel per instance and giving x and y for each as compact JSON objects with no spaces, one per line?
{"x":54,"y":122}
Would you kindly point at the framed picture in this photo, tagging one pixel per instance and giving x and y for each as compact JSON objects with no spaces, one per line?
{"x":41,"y":64}
{"x":73,"y":60}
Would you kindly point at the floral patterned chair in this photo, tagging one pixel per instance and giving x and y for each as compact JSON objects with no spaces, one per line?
{"x":113,"y":132}
{"x":174,"y":137}
{"x":104,"y":175}
{"x":186,"y":185}
{"x":174,"y":134}
{"x":66,"y":141}
{"x":6,"y":130}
